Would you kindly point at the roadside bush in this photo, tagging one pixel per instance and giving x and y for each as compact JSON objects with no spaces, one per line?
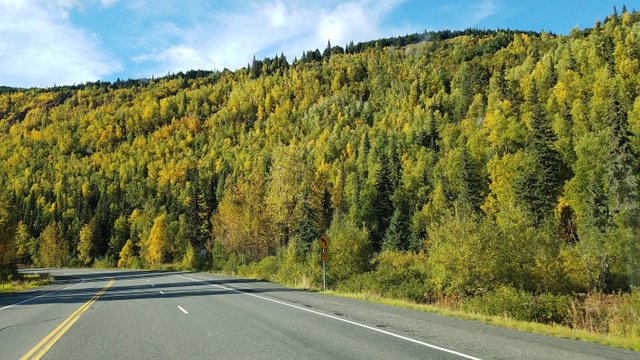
{"x":350,"y":250}
{"x":104,"y":263}
{"x":189,"y":260}
{"x":294,"y":270}
{"x":285,"y":267}
{"x":628,"y":320}
{"x":401,"y":275}
{"x":520,"y":305}
{"x":265,"y":269}
{"x":461,"y":256}
{"x":231,"y":263}
{"x":617,"y":314}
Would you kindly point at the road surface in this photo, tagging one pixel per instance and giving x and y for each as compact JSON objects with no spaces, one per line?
{"x":110,"y":314}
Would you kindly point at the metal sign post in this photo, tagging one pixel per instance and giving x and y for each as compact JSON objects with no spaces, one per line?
{"x":324,"y":274}
{"x":324,"y":256}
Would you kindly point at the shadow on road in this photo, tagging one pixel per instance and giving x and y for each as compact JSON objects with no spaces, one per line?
{"x":131,"y":285}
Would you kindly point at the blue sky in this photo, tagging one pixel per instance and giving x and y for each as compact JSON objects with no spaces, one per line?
{"x":47,"y":42}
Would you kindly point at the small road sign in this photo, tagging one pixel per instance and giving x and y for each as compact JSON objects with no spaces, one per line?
{"x":324,"y":242}
{"x":324,"y":256}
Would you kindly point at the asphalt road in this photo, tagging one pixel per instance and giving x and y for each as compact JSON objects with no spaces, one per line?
{"x":108,"y":314}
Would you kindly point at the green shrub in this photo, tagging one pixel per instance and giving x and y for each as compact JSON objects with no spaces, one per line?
{"x":401,"y":275}
{"x":189,"y":260}
{"x":521,"y":305}
{"x":503,"y":301}
{"x":550,"y":308}
{"x":461,"y":255}
{"x":104,"y":263}
{"x":265,"y":269}
{"x":349,"y":251}
{"x":231,"y":263}
{"x":294,"y":269}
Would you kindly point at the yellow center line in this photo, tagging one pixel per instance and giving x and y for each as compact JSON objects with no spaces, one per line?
{"x":45,"y":344}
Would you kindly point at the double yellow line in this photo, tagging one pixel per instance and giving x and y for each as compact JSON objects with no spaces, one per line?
{"x":45,"y":344}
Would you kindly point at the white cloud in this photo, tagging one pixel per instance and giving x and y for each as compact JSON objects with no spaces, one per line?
{"x":40,"y":47}
{"x":229,"y":39}
{"x":107,"y":3}
{"x":481,"y":11}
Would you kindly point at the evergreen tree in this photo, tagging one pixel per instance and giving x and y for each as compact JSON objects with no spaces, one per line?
{"x":542,"y":191}
{"x":398,"y":234}
{"x":7,"y":242}
{"x":307,"y":230}
{"x":327,"y":51}
{"x":103,"y":226}
{"x":621,"y":177}
{"x":197,"y":214}
{"x":383,"y":206}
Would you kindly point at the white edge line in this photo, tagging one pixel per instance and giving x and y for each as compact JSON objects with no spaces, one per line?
{"x":39,"y":296}
{"x":183,"y":310}
{"x":339,"y":319}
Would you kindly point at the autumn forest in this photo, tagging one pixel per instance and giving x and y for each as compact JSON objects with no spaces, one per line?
{"x":443,"y":165}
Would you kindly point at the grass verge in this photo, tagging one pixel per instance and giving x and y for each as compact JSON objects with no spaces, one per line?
{"x":625,"y":342}
{"x":25,"y":282}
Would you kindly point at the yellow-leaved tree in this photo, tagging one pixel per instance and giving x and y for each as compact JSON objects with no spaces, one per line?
{"x":157,"y":245}
{"x":53,"y":249}
{"x":85,"y":245}
{"x":127,"y":255}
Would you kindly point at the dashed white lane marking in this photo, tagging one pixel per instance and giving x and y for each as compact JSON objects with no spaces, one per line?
{"x":337,"y":318}
{"x":183,"y":310}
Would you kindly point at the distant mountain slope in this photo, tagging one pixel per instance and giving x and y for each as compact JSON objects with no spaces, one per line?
{"x":506,"y":158}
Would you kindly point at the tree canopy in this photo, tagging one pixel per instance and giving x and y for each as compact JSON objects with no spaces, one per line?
{"x":514,"y":151}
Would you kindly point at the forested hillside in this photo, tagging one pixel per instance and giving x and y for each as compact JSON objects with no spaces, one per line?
{"x":451,"y":165}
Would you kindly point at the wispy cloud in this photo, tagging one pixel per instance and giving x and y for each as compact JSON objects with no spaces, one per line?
{"x":40,"y":47}
{"x":481,"y":11}
{"x":229,"y":38}
{"x":61,"y":41}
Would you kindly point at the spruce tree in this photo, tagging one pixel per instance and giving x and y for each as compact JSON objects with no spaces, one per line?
{"x":197,"y":214}
{"x":542,"y":190}
{"x":398,"y":234}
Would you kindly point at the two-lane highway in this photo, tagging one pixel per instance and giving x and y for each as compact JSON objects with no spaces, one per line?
{"x":108,"y":314}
